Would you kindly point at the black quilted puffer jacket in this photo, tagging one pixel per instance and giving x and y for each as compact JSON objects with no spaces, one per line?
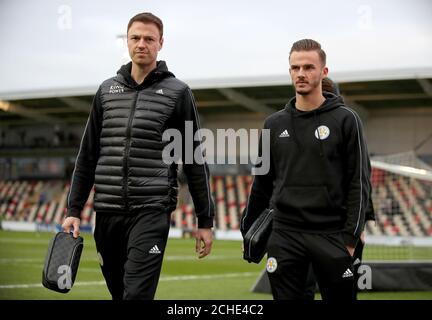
{"x":121,"y":148}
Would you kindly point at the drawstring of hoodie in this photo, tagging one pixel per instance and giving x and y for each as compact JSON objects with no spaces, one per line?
{"x":292,"y":125}
{"x":317,"y":123}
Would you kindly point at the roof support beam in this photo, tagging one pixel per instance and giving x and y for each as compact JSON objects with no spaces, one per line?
{"x":245,"y":101}
{"x":28,"y":113}
{"x":368,"y":97}
{"x":77,"y":104}
{"x":215,"y":103}
{"x":426,"y":85}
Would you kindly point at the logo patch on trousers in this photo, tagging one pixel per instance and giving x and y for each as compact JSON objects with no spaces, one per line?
{"x":271,"y":265}
{"x":155,"y":250}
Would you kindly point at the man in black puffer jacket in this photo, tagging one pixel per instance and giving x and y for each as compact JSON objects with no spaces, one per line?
{"x":121,"y":154}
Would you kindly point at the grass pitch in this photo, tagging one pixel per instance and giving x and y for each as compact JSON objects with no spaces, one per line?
{"x":223,"y":275}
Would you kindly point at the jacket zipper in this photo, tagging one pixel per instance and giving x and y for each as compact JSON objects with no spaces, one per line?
{"x":126,"y":155}
{"x":264,"y":220}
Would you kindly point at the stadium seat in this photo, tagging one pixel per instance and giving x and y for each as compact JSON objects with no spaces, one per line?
{"x":402,"y":205}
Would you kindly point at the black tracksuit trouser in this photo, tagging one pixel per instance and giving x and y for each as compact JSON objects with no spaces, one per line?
{"x":130,"y":250}
{"x":290,"y":254}
{"x":311,"y":284}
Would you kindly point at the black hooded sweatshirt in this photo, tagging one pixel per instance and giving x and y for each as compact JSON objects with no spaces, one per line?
{"x":319,"y":177}
{"x":121,"y":151}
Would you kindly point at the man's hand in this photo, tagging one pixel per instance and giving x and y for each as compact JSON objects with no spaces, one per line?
{"x":72,"y":222}
{"x":204,"y":241}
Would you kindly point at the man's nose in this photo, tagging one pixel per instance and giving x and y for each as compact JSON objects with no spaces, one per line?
{"x":301,"y":73}
{"x":141,"y":43}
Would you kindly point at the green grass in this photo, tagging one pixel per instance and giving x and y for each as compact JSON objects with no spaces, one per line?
{"x":222,"y":275}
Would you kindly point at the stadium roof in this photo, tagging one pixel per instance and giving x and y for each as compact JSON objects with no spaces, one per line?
{"x":366,"y":91}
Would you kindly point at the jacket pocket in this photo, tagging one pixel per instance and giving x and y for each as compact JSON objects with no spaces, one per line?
{"x":305,"y":197}
{"x":306,"y":203}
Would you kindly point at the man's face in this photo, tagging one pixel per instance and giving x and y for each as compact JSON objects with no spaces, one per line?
{"x":144,"y":43}
{"x":307,"y":71}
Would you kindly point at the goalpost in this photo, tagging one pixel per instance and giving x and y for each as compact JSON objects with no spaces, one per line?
{"x":402,"y":198}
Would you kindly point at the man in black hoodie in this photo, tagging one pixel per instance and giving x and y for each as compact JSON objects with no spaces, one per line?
{"x":121,"y":153}
{"x":318,"y":184}
{"x":329,"y":86}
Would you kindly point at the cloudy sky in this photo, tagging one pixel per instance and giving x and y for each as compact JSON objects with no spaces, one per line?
{"x":68,"y":43}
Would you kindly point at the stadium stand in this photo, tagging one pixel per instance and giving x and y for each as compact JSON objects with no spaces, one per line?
{"x":402,"y":204}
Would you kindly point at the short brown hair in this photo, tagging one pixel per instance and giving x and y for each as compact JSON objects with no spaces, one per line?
{"x":147,"y":17}
{"x":309,"y":45}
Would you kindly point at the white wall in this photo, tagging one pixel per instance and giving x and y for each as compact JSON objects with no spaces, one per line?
{"x":236,"y":122}
{"x":394,"y":131}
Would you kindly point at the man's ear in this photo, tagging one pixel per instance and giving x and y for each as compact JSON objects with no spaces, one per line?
{"x":161,"y":41}
{"x":325,"y":72}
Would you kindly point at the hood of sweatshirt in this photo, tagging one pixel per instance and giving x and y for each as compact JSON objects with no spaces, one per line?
{"x":331,"y":102}
{"x":160,"y":72}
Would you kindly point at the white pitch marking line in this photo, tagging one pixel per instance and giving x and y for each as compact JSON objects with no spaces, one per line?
{"x":163,"y":278}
